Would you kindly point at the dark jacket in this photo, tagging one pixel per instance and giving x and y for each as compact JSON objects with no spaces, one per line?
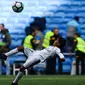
{"x":6,"y":39}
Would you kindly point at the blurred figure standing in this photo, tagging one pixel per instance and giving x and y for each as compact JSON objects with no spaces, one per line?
{"x":38,"y":37}
{"x":29,"y":41}
{"x":79,"y":45}
{"x":5,"y":41}
{"x":46,"y":41}
{"x":72,"y":27}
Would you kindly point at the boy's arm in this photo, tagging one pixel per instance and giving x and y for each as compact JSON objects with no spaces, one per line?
{"x":58,"y":52}
{"x":62,"y":58}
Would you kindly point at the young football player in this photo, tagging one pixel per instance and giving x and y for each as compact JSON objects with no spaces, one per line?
{"x":35,"y":57}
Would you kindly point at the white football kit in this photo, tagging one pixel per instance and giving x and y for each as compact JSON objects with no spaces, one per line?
{"x":41,"y":55}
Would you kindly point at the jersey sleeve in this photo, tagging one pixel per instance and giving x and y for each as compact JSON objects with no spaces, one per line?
{"x":58,"y":52}
{"x":61,"y":56}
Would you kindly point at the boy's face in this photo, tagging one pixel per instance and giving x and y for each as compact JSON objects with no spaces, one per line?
{"x":56,"y":43}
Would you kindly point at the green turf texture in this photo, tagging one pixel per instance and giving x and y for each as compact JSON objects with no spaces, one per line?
{"x":45,"y":80}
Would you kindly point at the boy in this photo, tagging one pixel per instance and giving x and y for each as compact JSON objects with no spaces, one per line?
{"x":35,"y":57}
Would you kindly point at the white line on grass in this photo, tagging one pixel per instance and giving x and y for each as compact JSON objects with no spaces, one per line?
{"x":44,"y":78}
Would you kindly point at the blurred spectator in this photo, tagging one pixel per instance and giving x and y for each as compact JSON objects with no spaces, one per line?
{"x":29,"y":41}
{"x":5,"y":41}
{"x":46,"y":41}
{"x":72,"y":27}
{"x":38,"y":37}
{"x":79,"y":45}
{"x":51,"y":63}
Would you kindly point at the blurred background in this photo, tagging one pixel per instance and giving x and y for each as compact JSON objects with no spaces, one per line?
{"x":47,"y":15}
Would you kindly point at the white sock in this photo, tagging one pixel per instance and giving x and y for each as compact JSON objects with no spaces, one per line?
{"x":18,"y":77}
{"x":11,"y":52}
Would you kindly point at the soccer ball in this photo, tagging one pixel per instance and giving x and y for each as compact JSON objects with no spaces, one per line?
{"x":18,"y":7}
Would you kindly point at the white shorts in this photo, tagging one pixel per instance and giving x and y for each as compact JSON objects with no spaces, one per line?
{"x":33,"y":56}
{"x":28,"y":52}
{"x":31,"y":59}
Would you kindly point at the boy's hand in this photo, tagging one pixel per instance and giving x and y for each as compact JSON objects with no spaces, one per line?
{"x":62,"y":59}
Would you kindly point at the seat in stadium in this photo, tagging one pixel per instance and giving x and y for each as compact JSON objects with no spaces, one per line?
{"x":16,"y":67}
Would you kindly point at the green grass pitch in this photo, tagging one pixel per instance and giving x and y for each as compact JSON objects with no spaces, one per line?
{"x":45,"y":80}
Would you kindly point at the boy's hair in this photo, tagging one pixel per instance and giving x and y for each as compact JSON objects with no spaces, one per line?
{"x":62,"y":42}
{"x":77,"y":34}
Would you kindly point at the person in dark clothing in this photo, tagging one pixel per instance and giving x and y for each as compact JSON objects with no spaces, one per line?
{"x":79,"y":46}
{"x":5,"y":41}
{"x":51,"y":63}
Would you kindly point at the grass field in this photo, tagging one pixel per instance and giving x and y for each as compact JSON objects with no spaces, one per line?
{"x":45,"y":80}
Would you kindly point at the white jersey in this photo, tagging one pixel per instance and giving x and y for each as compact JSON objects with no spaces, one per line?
{"x":51,"y":51}
{"x":45,"y":53}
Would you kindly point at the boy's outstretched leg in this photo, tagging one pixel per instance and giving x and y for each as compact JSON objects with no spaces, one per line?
{"x":19,"y":75}
{"x":29,"y":63}
{"x":14,"y":51}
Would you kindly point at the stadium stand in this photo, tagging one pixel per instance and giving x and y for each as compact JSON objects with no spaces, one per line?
{"x":56,"y":12}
